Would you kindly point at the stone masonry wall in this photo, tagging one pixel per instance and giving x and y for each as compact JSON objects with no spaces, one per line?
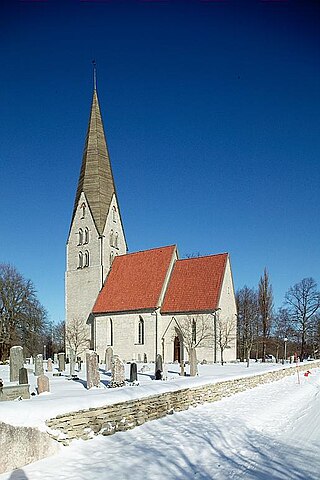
{"x":126,"y":415}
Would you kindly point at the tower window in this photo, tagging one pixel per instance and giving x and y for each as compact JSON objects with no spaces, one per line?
{"x":111,"y":258}
{"x":114,"y":214}
{"x":80,"y":260}
{"x":116,"y":240}
{"x":86,"y":235}
{"x":111,"y":238}
{"x":80,"y":239}
{"x":141,"y":331}
{"x":86,"y":259}
{"x":83,"y":210}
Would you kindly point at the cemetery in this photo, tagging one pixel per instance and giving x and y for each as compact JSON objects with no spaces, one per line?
{"x":59,"y":399}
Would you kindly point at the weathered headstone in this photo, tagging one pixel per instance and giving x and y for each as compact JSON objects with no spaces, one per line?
{"x":193,"y":362}
{"x":16,"y":362}
{"x":55,"y":358}
{"x":38,"y":365}
{"x":108,"y":358}
{"x":139,"y":357}
{"x":93,"y":376}
{"x":49,"y":365}
{"x":43,"y":384}
{"x":23,"y":376}
{"x":181,"y":369}
{"x":133,"y":372}
{"x":158,"y":369}
{"x":117,"y":370}
{"x":145,"y":360}
{"x":62,"y":362}
{"x":72,"y":359}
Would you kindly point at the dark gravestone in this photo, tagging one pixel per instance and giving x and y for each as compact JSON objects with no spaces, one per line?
{"x":133,"y":372}
{"x":158,"y":367}
{"x":23,"y":376}
{"x":145,"y":360}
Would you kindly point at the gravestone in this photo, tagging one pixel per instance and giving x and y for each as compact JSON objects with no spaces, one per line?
{"x":193,"y":362}
{"x":55,"y":358}
{"x":38,"y":365}
{"x":14,"y":392}
{"x":62,"y":362}
{"x":158,"y":369}
{"x":16,"y":362}
{"x":49,"y":365}
{"x":117,"y":371}
{"x":93,"y":376}
{"x":145,"y":360}
{"x":23,"y":376}
{"x":139,"y":357}
{"x":108,"y":358}
{"x":43,"y":384}
{"x":133,"y":372}
{"x":72,"y":358}
{"x":165,"y":372}
{"x":181,"y":369}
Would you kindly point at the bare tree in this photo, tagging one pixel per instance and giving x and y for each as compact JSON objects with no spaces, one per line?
{"x":265,"y":298}
{"x":77,"y":336}
{"x":247,"y":320}
{"x":195,"y":330}
{"x":226,"y":334}
{"x":22,"y":317}
{"x":303,"y":300}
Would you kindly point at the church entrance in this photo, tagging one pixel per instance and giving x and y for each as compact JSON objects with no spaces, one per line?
{"x":177,"y":350}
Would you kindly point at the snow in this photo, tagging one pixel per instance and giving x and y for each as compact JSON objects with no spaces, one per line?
{"x":269,"y":432}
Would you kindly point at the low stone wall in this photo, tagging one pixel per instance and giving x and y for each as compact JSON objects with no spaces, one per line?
{"x":22,"y":445}
{"x":126,"y":415}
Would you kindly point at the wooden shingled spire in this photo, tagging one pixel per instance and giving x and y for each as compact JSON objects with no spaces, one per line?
{"x":96,"y":179}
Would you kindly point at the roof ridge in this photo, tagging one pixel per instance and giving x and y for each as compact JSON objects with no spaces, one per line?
{"x":203,"y":256}
{"x":149,"y":250}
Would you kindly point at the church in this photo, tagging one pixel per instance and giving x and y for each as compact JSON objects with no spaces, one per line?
{"x":143,"y":303}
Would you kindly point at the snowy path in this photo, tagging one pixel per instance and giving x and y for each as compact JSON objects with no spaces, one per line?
{"x":270,"y":432}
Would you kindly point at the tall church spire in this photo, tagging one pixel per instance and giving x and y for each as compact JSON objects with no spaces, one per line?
{"x":96,"y":179}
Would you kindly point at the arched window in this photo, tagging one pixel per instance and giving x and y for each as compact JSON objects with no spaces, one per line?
{"x":86,"y":259}
{"x":141,"y":331}
{"x":80,"y":260}
{"x":114,"y":214}
{"x":111,"y":238}
{"x":80,"y":239}
{"x":83,"y":210}
{"x":116,"y":240}
{"x":86,"y":235}
{"x":111,"y":258}
{"x":111,"y":331}
{"x":194,"y":331}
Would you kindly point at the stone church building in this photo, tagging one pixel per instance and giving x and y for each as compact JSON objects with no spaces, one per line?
{"x":141,"y":303}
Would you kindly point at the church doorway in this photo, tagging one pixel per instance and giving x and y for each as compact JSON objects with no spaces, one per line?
{"x":177,"y":350}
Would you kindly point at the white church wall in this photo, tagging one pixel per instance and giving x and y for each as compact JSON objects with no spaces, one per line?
{"x":126,"y":336}
{"x":82,"y":283}
{"x":228,"y":312}
{"x":116,"y":245}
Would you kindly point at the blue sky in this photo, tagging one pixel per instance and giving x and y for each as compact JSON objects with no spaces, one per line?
{"x":211,"y":112}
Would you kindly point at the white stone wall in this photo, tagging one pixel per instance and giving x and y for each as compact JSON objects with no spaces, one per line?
{"x":228,"y":313}
{"x":114,"y":225}
{"x":83,"y":284}
{"x":125,"y":336}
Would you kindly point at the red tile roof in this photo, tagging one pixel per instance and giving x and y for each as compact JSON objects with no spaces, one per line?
{"x":195,"y":284}
{"x":135,"y":281}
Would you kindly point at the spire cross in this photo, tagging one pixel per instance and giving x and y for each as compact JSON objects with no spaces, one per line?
{"x":94,"y":74}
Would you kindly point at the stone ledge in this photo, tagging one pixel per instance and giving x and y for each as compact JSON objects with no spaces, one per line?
{"x":126,"y":415}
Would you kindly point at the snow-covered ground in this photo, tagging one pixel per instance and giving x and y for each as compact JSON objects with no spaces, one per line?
{"x":269,"y":432}
{"x":69,"y":395}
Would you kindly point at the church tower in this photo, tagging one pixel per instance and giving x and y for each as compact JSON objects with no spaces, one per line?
{"x":96,"y":234}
